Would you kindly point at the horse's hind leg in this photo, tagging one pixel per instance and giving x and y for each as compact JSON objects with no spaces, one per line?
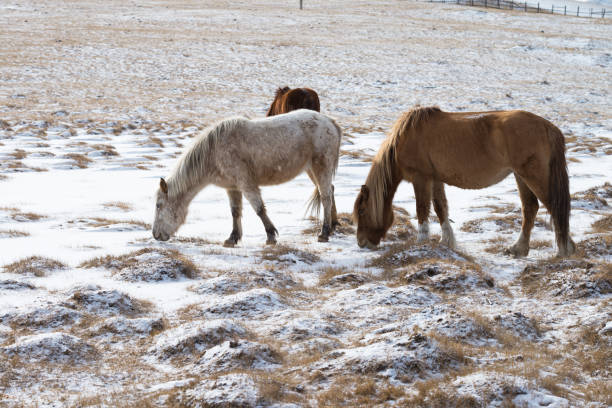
{"x":529,"y":207}
{"x":235,"y":198}
{"x":254,"y":197}
{"x":422,"y":192}
{"x":441,"y":208}
{"x":334,"y":214}
{"x":326,"y":192}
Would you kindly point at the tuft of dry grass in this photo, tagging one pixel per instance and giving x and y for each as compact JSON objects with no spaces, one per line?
{"x":26,"y":216}
{"x":121,"y":205}
{"x":182,"y":264}
{"x":285,"y":254}
{"x":35,"y":265}
{"x":79,"y":160}
{"x":99,"y":222}
{"x":105,"y":149}
{"x":603,"y":225}
{"x":13,"y":234}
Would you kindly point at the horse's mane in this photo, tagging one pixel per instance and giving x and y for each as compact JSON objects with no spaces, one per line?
{"x":281,"y":91}
{"x":381,"y":173}
{"x":195,"y":162}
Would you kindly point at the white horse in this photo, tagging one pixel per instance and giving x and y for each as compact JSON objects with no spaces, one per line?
{"x":240,"y":155}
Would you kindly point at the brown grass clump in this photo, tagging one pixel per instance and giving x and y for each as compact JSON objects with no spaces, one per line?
{"x":18,"y":154}
{"x":567,"y":277}
{"x":597,"y":246}
{"x":603,"y":225}
{"x":99,"y":222}
{"x":13,"y":234}
{"x":355,"y":391}
{"x":79,"y":160}
{"x":121,"y":205}
{"x":26,"y":216}
{"x":287,"y":255}
{"x":35,"y":265}
{"x":105,"y":149}
{"x":360,"y":154}
{"x":161,"y":264}
{"x":596,"y":196}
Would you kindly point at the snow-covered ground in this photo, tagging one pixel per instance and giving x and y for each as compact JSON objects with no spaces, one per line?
{"x":97,"y":103}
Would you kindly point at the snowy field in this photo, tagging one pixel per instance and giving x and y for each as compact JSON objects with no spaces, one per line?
{"x":97,"y":102}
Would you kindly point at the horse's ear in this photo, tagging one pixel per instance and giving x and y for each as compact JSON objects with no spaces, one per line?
{"x":163,"y":186}
{"x":365,"y":192}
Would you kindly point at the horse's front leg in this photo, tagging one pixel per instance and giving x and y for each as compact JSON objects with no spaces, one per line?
{"x":441,"y":208}
{"x":254,"y":197}
{"x":235,"y":198}
{"x":422,"y":192}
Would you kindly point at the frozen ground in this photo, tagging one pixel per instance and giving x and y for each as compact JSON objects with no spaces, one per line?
{"x":97,"y":102}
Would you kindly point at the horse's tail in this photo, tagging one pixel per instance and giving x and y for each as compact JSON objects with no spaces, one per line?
{"x":314,"y":203}
{"x":558,"y":186}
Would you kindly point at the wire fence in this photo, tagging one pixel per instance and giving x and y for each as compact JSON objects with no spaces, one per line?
{"x":530,"y":7}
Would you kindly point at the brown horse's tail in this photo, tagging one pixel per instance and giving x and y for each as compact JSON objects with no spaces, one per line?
{"x":558,"y":187}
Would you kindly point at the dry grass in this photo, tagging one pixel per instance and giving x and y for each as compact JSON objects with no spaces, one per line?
{"x":27,"y":216}
{"x":99,"y":222}
{"x":120,"y":205}
{"x":356,"y":391}
{"x":183,"y":265}
{"x":284,"y":254}
{"x":497,"y":245}
{"x":79,"y":160}
{"x":35,"y":265}
{"x":602,"y":225}
{"x":13,"y":234}
{"x":360,"y":154}
{"x":18,"y":154}
{"x":105,"y":149}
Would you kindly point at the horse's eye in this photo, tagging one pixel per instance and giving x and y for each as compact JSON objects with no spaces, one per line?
{"x":361,"y":212}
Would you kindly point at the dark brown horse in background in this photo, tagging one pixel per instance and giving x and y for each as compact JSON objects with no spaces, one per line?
{"x":470,"y":150}
{"x":287,"y":100}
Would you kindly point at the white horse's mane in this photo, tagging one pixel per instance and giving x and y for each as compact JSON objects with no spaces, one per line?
{"x":195,"y":162}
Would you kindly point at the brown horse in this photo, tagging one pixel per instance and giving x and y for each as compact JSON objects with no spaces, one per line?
{"x":287,"y":100}
{"x":429,"y":148}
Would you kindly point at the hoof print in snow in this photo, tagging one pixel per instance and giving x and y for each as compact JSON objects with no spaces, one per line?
{"x":236,"y":355}
{"x":350,"y":279}
{"x":51,"y":347}
{"x":231,"y":390}
{"x":190,"y":340}
{"x":147,"y":265}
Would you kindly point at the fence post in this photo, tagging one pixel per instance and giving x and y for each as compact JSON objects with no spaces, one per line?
{"x":578,"y":12}
{"x":498,"y":6}
{"x":301,"y":7}
{"x":591,"y":13}
{"x":552,"y":9}
{"x":525,"y":6}
{"x":485,"y":3}
{"x":538,"y":6}
{"x":603,"y":13}
{"x":565,"y":10}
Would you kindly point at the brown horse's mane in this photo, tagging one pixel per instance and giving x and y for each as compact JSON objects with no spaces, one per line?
{"x":381,"y":173}
{"x":281,"y":92}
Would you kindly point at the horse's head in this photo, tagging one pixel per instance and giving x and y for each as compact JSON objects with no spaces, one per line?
{"x":170,"y":214}
{"x":369,"y":233}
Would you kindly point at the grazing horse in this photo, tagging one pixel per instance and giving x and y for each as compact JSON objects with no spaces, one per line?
{"x":240,"y":155}
{"x":287,"y":100}
{"x":430,"y":148}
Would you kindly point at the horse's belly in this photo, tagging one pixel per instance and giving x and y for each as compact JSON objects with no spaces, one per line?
{"x":477,"y":181}
{"x":280,"y":173}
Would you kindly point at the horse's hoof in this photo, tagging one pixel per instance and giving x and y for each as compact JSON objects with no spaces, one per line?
{"x":229,"y":243}
{"x":516,"y":251}
{"x":323,"y":238}
{"x":334,"y":225}
{"x":271,"y":242}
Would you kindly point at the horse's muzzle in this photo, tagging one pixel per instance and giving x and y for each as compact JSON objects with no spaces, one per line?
{"x":161,"y":237}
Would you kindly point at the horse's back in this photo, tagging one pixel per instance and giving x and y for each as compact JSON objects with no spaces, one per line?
{"x":474,"y":149}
